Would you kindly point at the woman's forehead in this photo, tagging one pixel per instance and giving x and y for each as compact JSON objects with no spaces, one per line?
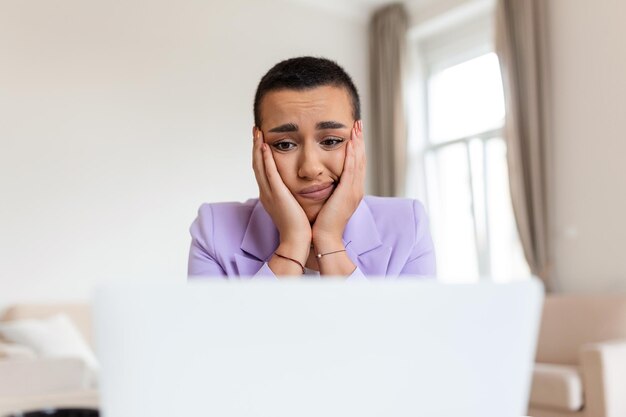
{"x":304,"y":107}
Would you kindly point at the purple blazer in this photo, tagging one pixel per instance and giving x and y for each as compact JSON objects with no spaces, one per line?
{"x":384,"y":237}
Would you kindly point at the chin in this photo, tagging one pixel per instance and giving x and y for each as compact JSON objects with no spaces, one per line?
{"x":312,"y":215}
{"x":312,"y":212}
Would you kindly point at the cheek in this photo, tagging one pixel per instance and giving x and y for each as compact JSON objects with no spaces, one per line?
{"x":337,"y":161}
{"x":286,"y":168}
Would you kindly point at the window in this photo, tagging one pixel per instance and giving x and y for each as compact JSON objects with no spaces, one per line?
{"x":463,"y":158}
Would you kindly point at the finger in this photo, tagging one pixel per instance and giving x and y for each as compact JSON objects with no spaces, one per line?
{"x":257,"y":156}
{"x":347,"y":176}
{"x":359,"y":139}
{"x":356,"y":147}
{"x":257,"y":163}
{"x":360,"y":150}
{"x":254,"y":147}
{"x":271,"y":172}
{"x":358,"y":180}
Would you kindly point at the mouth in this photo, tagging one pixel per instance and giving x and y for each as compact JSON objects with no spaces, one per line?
{"x":318,"y":192}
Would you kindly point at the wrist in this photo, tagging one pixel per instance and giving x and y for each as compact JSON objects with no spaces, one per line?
{"x":323,"y":244}
{"x":295,"y":250}
{"x":295,"y":238}
{"x":335,"y":262}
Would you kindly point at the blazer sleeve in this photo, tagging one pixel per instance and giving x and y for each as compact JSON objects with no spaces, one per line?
{"x":421,"y":260}
{"x":203,"y":260}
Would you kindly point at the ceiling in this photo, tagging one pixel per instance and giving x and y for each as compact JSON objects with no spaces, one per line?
{"x":362,"y":9}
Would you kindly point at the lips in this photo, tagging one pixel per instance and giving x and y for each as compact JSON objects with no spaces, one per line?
{"x":317,"y":192}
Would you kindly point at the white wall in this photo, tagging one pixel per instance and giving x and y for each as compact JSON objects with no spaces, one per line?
{"x":588,"y":60}
{"x":118,"y":119}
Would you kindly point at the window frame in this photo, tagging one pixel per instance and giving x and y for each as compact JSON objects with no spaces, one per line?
{"x":432,"y":53}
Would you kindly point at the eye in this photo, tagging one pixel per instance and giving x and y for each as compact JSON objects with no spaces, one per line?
{"x":283,"y":145}
{"x":332,"y":142}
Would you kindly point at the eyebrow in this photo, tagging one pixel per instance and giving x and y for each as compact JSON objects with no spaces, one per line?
{"x":287,"y":127}
{"x":292,"y":127}
{"x":329,"y":125}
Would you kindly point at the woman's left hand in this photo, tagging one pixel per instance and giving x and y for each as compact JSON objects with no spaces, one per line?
{"x":332,"y":219}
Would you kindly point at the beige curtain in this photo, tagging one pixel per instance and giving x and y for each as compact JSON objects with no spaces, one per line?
{"x":522,"y":49}
{"x":388,"y":31}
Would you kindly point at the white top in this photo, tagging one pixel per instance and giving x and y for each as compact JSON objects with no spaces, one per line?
{"x":311,"y":273}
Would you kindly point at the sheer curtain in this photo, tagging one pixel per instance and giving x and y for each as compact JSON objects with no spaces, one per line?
{"x":522,"y":49}
{"x":388,"y":32}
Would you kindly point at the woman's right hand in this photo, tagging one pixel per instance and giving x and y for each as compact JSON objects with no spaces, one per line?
{"x":288,"y":216}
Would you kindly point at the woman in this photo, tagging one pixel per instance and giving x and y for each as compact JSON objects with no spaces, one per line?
{"x":311,"y":217}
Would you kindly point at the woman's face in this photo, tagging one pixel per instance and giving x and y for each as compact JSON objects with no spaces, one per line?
{"x":307,"y":132}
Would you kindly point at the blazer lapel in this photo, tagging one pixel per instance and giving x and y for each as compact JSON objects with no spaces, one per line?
{"x":259,"y":242}
{"x":361,"y":238}
{"x":364,"y":245}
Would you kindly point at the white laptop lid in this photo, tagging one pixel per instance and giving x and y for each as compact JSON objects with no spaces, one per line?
{"x":317,"y":348}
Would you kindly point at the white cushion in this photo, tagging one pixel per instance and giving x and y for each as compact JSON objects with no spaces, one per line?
{"x":52,"y":337}
{"x":557,"y":386}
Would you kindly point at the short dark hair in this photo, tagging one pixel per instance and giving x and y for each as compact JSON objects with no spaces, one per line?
{"x":303,"y":73}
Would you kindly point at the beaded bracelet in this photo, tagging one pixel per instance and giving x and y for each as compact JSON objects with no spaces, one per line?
{"x":319,"y":255}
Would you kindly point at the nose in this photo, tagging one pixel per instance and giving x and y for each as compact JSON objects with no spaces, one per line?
{"x":310,"y":164}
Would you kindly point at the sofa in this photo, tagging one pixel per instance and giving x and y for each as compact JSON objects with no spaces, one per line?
{"x":36,"y":382}
{"x":580,"y":365}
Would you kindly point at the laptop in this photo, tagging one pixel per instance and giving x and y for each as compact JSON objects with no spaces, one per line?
{"x":320,"y":348}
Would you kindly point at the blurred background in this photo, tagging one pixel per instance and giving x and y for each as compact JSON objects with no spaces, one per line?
{"x":118,"y":119}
